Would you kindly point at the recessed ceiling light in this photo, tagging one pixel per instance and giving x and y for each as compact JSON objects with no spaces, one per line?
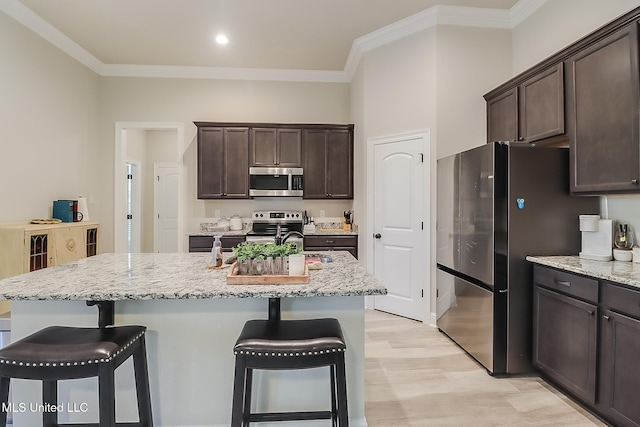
{"x":222,"y":39}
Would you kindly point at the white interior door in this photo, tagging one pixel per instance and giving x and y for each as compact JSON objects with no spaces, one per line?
{"x":399,"y":222}
{"x":165,"y":190}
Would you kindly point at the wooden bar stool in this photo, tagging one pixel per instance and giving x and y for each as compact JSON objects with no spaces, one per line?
{"x":284,"y":345}
{"x":64,"y":353}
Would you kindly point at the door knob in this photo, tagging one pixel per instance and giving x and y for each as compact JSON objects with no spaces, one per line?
{"x":377,"y":235}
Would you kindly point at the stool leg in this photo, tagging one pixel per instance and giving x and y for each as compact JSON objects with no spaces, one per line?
{"x":4,"y":399}
{"x":238,"y":391}
{"x":334,"y":402}
{"x":143,"y":393}
{"x":343,"y":414}
{"x":248,"y":384}
{"x":50,"y":397}
{"x":106,"y":395}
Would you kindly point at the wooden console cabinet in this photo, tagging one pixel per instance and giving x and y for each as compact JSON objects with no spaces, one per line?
{"x":26,"y":247}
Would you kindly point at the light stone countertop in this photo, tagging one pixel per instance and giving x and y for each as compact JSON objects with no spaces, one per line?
{"x":627,"y":273}
{"x":318,"y":232}
{"x":117,"y":277}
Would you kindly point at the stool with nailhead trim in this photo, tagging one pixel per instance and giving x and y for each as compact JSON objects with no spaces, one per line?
{"x":64,"y":353}
{"x":286,"y":345}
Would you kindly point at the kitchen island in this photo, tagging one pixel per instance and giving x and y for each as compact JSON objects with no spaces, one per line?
{"x":193,"y":319}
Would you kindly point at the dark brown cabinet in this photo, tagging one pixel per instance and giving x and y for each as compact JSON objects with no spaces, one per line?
{"x":328,"y":163}
{"x":602,"y":112}
{"x":587,"y":341}
{"x":332,"y":243}
{"x":502,"y":116}
{"x":529,"y":112}
{"x":620,"y":377}
{"x":276,"y":147}
{"x":565,"y":338}
{"x":223,"y":162}
{"x":204,"y":243}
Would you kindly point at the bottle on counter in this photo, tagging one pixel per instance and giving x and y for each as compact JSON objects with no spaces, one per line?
{"x":216,"y":252}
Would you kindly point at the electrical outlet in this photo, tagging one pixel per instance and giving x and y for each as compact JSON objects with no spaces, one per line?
{"x":322,"y":213}
{"x":216,"y":213}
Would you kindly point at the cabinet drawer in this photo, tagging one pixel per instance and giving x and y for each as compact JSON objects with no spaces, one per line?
{"x":204,"y":243}
{"x":567,"y":283}
{"x":621,"y":299}
{"x":331,"y":241}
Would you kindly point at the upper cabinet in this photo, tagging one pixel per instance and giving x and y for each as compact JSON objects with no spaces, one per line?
{"x":227,"y":150}
{"x":531,"y":111}
{"x":223,"y":162}
{"x":603,"y":114}
{"x":280,"y":147}
{"x":328,"y":163}
{"x":592,"y":86}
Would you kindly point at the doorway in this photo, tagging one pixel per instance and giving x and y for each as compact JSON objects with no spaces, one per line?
{"x":398,"y":168}
{"x":151,"y":144}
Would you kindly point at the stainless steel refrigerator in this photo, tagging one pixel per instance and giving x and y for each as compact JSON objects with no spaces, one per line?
{"x":497,"y":204}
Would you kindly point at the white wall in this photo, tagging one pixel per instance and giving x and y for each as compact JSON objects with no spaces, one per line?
{"x":48,"y":126}
{"x":556,"y":25}
{"x":189,"y":100}
{"x":434,"y":79}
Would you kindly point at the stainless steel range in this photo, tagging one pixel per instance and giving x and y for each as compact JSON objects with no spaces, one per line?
{"x":270,"y":226}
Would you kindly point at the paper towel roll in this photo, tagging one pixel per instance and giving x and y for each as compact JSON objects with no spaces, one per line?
{"x":82,"y":208}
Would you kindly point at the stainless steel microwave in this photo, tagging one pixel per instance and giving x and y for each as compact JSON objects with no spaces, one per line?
{"x":275,"y":182}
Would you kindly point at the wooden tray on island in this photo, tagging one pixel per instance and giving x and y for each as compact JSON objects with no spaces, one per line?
{"x":233,"y":278}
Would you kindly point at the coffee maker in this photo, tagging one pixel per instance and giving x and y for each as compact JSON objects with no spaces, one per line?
{"x":597,"y":238}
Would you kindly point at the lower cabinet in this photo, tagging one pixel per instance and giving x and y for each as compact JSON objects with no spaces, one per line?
{"x":332,"y":243}
{"x":619,"y":374}
{"x":205,"y":243}
{"x":588,"y":343}
{"x":565,"y":346}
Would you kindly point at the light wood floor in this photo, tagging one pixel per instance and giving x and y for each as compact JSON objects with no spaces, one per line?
{"x":416,"y":376}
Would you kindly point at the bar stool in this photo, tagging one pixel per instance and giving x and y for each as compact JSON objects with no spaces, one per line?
{"x":287,"y":345}
{"x":64,"y":353}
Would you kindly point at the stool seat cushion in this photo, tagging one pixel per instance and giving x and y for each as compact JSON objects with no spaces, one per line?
{"x":290,"y":337}
{"x":68,"y":345}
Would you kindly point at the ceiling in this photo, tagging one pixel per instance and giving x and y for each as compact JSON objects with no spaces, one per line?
{"x":263,"y":34}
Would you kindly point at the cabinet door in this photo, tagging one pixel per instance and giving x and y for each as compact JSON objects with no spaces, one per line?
{"x":340,"y":164}
{"x":263,"y":147}
{"x":39,"y":250}
{"x":602,"y":101}
{"x":541,"y":109}
{"x":620,"y":380}
{"x":210,"y":163}
{"x":289,"y":148}
{"x":502,"y":116}
{"x":315,"y":164}
{"x":70,"y":244}
{"x":564,"y":341}
{"x":236,"y":163}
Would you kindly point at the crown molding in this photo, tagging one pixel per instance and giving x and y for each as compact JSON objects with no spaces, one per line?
{"x":222,"y":73}
{"x":437,"y":15}
{"x":35,"y":23}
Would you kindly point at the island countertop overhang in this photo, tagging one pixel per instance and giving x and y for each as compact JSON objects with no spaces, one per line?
{"x":118,"y":277}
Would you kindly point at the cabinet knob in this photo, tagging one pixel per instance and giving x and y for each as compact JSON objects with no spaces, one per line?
{"x":605,"y":317}
{"x":377,"y":235}
{"x":635,"y":181}
{"x":520,"y":138}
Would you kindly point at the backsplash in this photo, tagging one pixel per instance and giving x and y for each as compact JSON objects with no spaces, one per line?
{"x":623,"y":208}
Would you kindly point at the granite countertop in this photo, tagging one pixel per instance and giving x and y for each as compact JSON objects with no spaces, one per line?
{"x":318,"y":232}
{"x":117,"y":277}
{"x":627,"y":273}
